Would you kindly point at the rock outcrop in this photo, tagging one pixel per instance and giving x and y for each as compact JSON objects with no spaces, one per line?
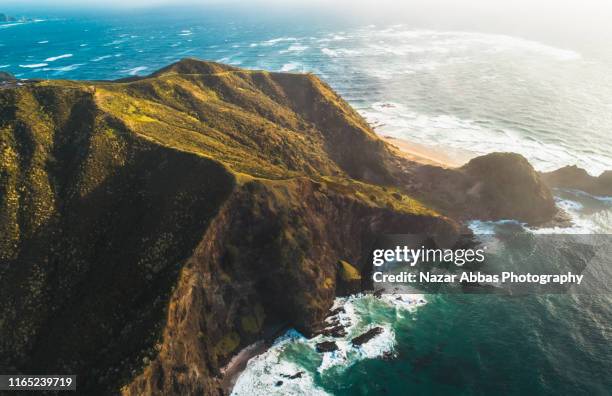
{"x":573,"y":177}
{"x":348,"y":279}
{"x":152,"y":227}
{"x":491,"y":187}
{"x":6,"y":18}
{"x":367,"y":336}
{"x":4,"y":76}
{"x":326,"y":346}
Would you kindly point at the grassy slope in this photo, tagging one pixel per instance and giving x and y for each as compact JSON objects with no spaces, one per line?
{"x":107,"y":189}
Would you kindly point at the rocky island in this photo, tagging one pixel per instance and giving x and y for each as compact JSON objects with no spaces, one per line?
{"x":6,"y":18}
{"x":152,"y":227}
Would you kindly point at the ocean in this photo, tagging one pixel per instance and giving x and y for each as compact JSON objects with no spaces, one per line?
{"x":470,"y":92}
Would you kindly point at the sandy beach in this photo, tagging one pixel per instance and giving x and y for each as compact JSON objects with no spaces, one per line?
{"x":238,"y":363}
{"x":445,"y":157}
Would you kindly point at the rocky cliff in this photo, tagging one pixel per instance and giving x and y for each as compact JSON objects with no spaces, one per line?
{"x":492,"y":187}
{"x":151,"y":227}
{"x":573,"y":177}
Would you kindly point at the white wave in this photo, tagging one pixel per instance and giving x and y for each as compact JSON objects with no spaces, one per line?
{"x":409,"y":302}
{"x":263,"y":373}
{"x":9,"y":25}
{"x":272,"y":42}
{"x":4,"y":66}
{"x":481,"y":227}
{"x":504,"y":43}
{"x":584,"y":220}
{"x":294,"y":48}
{"x":134,"y":71}
{"x":64,"y":68}
{"x":100,"y":58}
{"x":34,"y":65}
{"x":231,"y":59}
{"x":333,"y":37}
{"x":43,"y":42}
{"x":291,"y":66}
{"x":473,"y":136}
{"x":329,"y":52}
{"x":115,"y":42}
{"x":54,"y":58}
{"x":379,"y":345}
{"x":355,"y":309}
{"x":83,"y":45}
{"x":339,"y":52}
{"x":266,"y":374}
{"x":459,"y":41}
{"x":602,"y":198}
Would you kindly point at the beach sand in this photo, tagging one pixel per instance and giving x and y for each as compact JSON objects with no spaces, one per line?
{"x":430,"y":155}
{"x":238,"y":363}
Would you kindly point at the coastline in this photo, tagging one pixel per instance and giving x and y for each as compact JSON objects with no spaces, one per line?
{"x":428,"y":155}
{"x":238,"y":362}
{"x":445,"y":157}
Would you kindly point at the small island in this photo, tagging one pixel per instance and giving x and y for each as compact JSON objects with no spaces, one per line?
{"x":4,"y":18}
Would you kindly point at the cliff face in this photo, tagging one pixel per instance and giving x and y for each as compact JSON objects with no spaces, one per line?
{"x":572,"y":177}
{"x":491,"y":187}
{"x":151,"y":227}
{"x":270,"y":257}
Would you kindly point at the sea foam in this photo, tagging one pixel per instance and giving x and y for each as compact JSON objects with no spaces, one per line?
{"x":291,"y":66}
{"x":34,"y":65}
{"x":293,"y":353}
{"x":134,"y":71}
{"x":54,"y":58}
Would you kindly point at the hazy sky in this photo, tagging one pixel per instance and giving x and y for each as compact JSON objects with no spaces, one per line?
{"x":575,"y":5}
{"x":561,"y":18}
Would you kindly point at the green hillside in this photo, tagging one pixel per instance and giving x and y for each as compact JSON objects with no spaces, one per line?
{"x":151,"y":227}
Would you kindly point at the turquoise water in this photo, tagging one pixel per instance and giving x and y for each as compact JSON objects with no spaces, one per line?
{"x":472,"y":91}
{"x":493,"y":345}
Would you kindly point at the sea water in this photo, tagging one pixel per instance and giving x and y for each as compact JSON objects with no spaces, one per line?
{"x":474,"y":91}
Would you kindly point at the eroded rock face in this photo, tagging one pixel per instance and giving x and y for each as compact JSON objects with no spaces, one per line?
{"x":573,"y":177}
{"x":349,"y":280}
{"x":274,"y":246}
{"x":4,"y":76}
{"x":496,"y":186}
{"x":326,"y":346}
{"x":508,"y":187}
{"x":367,"y":336}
